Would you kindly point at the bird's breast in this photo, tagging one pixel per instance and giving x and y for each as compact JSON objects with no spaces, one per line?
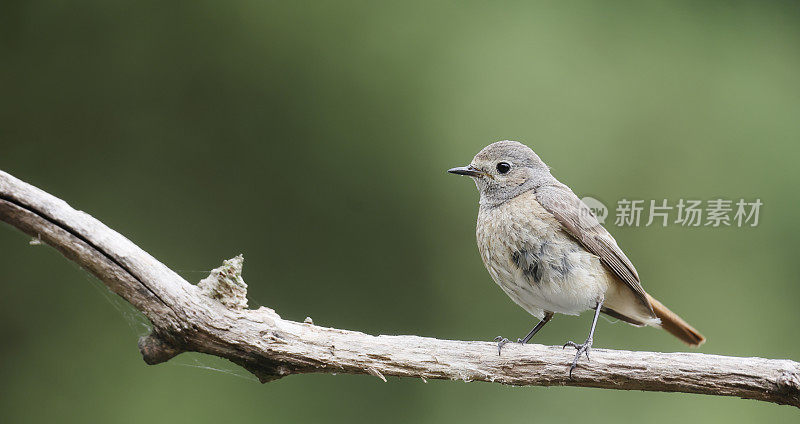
{"x":538,"y":264}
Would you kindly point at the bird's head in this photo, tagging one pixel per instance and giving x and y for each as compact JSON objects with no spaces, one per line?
{"x":505,"y":169}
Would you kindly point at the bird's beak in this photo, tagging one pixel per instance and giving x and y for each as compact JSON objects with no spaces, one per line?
{"x":466,"y":170}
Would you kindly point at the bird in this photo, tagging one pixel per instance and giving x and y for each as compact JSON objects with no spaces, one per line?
{"x":549,"y":253}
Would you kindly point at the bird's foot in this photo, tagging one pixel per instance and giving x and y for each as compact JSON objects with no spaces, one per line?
{"x":502,"y":341}
{"x":582,"y":348}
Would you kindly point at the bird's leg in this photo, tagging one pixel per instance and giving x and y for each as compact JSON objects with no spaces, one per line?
{"x":587,"y":345}
{"x":539,"y":325}
{"x":501,"y":341}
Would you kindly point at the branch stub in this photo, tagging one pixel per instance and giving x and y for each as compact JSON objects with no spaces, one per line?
{"x":225,"y":284}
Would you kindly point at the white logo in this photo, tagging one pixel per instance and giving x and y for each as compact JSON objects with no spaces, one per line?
{"x":592,"y":211}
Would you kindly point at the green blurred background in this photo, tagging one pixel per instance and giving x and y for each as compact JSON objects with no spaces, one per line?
{"x":313,"y":137}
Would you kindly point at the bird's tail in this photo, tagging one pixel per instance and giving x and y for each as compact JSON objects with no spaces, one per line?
{"x":675,"y":325}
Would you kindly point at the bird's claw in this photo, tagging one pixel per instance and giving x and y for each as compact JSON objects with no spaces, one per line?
{"x":501,"y":341}
{"x":582,"y":349}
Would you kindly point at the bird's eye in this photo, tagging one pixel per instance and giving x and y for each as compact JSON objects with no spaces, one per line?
{"x":503,"y":167}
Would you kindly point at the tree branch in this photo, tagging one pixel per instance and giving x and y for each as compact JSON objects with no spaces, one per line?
{"x":212,"y":317}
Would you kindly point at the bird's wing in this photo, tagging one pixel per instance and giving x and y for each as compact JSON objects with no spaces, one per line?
{"x":578,"y":220}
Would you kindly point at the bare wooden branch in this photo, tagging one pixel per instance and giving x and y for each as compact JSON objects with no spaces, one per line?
{"x":212,"y":317}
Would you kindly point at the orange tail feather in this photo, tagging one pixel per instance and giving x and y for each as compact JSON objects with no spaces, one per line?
{"x":675,"y":325}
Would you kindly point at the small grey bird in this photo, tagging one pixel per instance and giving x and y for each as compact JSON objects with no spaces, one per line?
{"x":546,"y":249}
